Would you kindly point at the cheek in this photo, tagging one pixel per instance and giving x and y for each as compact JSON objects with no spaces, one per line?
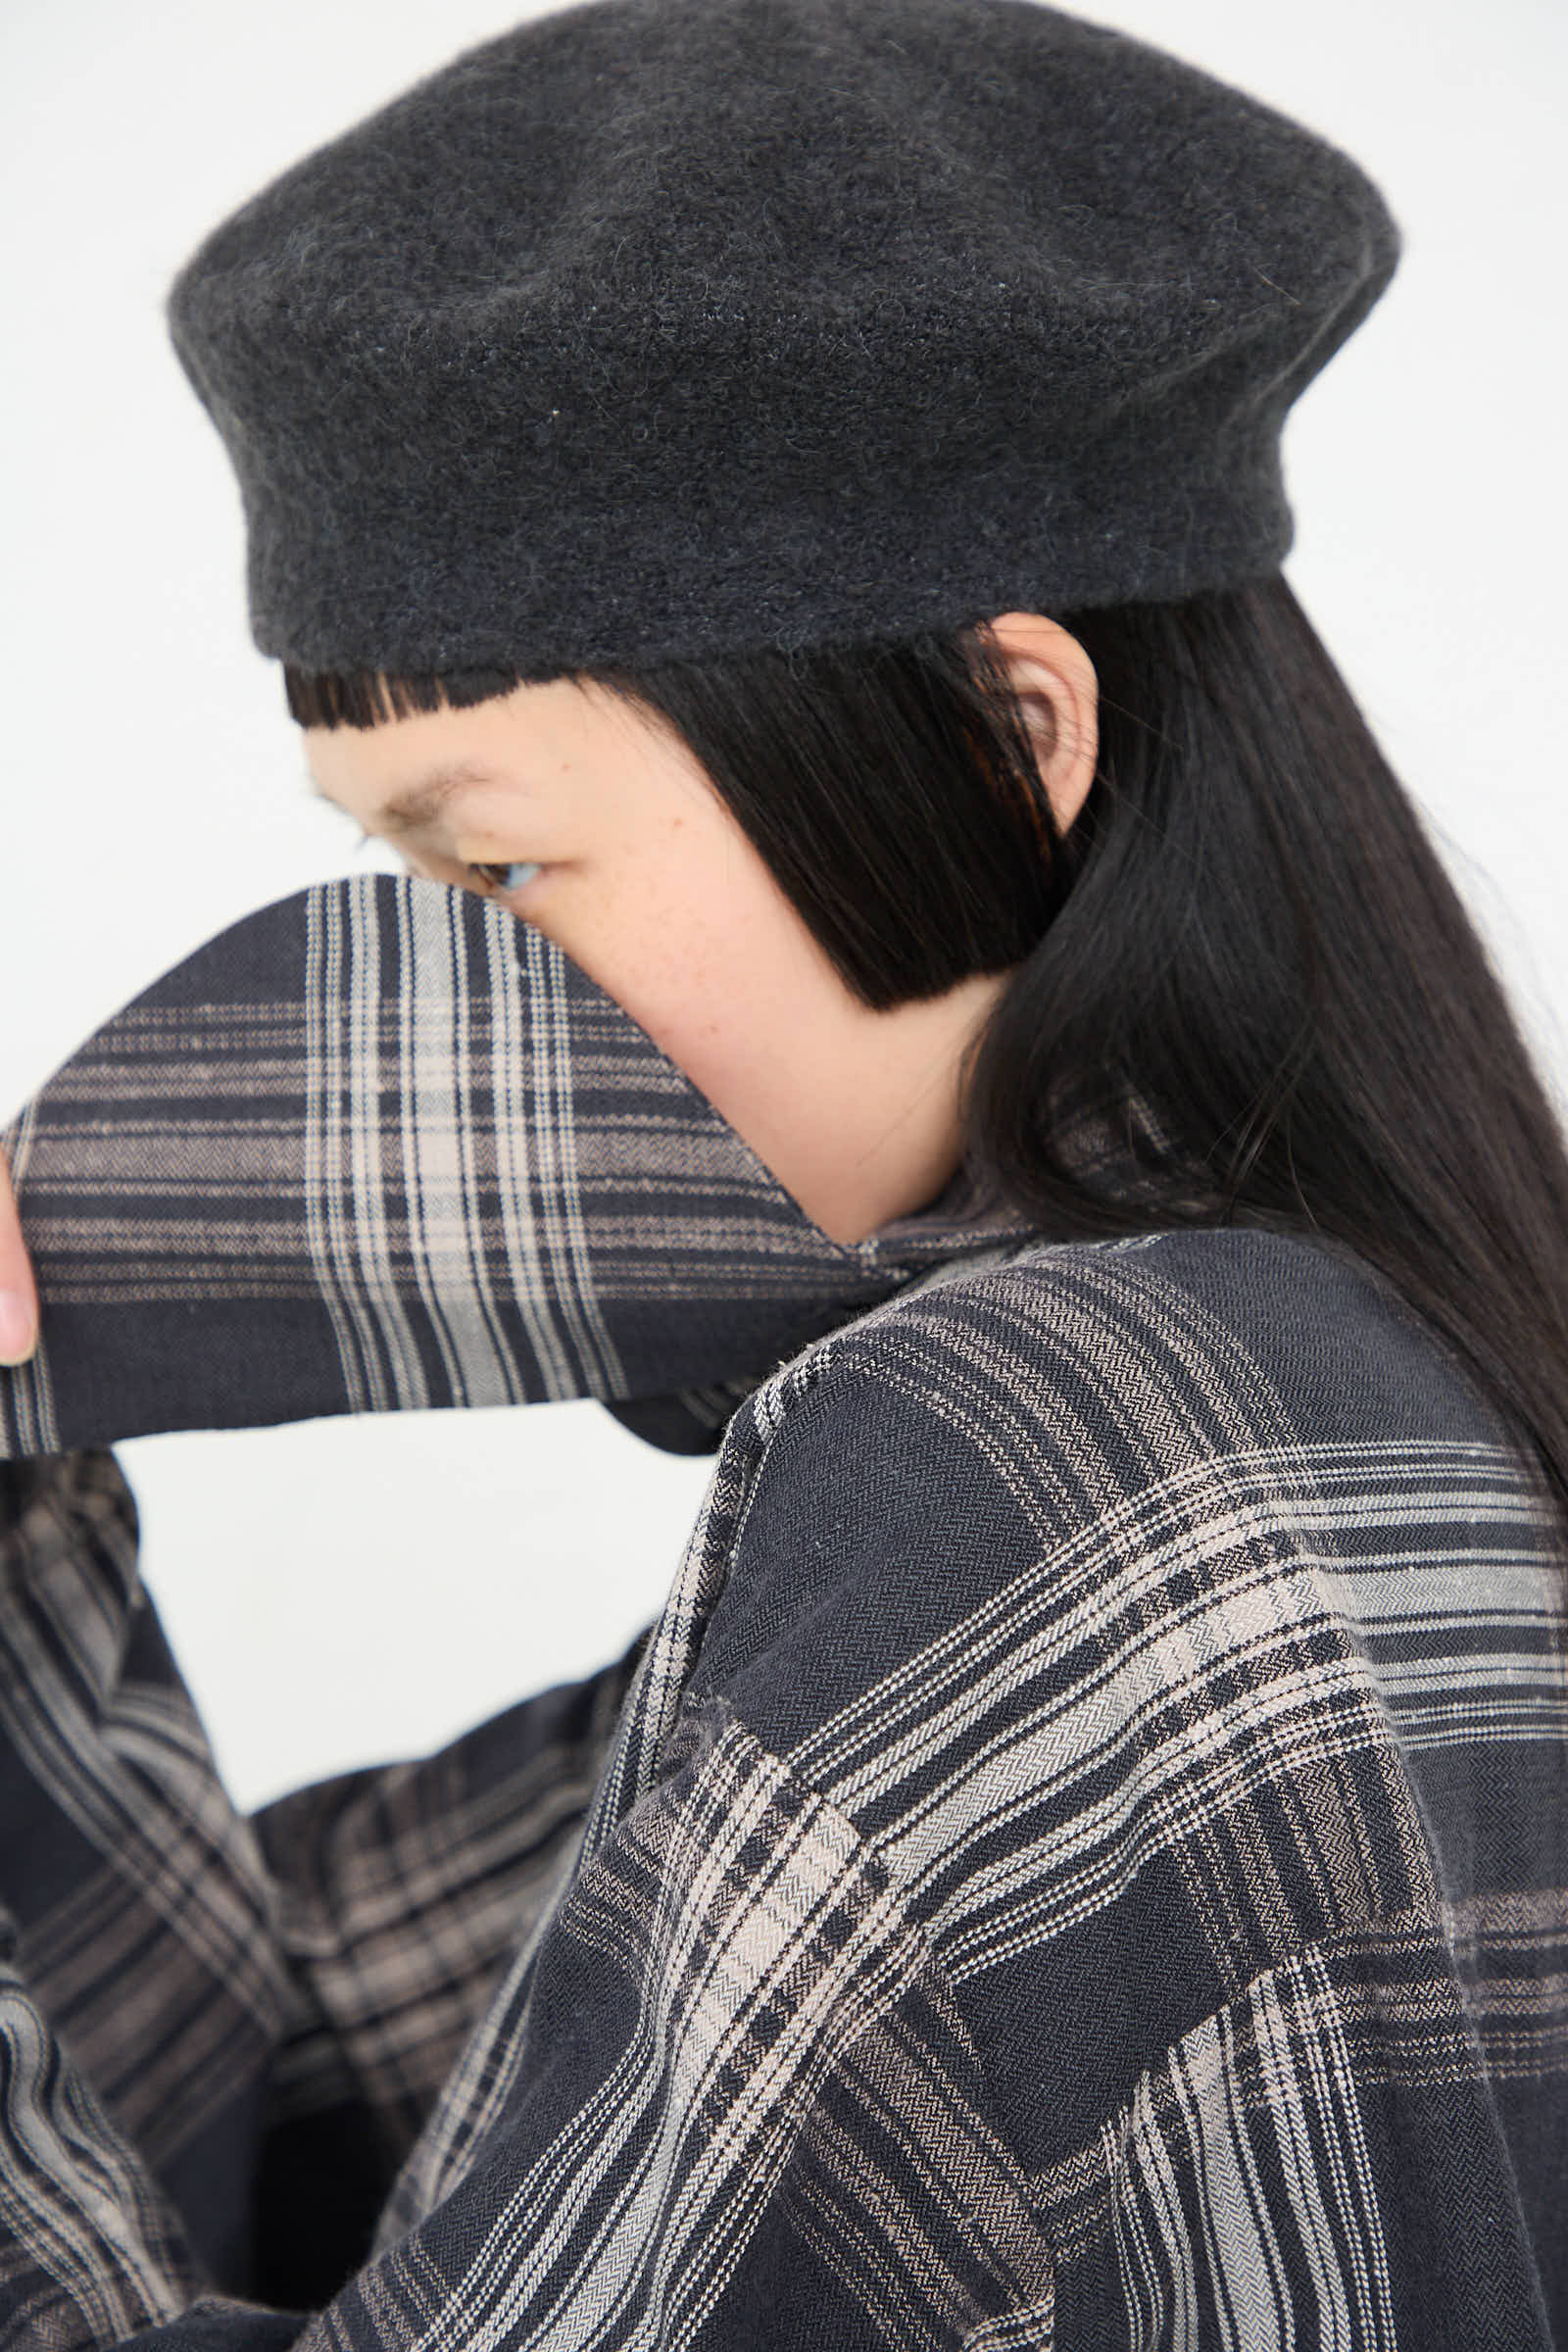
{"x":698,"y":945}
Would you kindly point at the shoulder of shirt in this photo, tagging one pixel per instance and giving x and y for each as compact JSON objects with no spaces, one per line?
{"x":912,"y":1467}
{"x":1293,"y":1305}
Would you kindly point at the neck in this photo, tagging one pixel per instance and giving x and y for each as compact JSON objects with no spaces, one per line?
{"x":857,"y":1112}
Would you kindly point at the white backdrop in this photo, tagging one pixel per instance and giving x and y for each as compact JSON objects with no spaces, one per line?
{"x":342,"y":1590}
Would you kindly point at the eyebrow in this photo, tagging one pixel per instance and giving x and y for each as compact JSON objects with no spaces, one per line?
{"x":411,"y":810}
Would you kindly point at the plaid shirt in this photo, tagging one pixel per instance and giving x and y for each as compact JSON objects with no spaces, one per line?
{"x":1079,"y":1861}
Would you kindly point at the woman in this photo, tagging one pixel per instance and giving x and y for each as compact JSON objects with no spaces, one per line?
{"x":795,"y":517}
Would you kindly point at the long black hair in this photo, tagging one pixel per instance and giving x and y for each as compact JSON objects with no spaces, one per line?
{"x":1243,"y":969}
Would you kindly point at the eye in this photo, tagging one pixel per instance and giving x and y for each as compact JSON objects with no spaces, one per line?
{"x":504,"y":877}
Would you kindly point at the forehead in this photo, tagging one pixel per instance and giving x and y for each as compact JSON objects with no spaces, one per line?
{"x":407,"y":771}
{"x":417,"y":773}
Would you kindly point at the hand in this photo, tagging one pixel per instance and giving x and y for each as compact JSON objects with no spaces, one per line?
{"x":18,"y":1298}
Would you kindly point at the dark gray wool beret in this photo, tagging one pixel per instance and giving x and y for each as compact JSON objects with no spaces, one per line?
{"x":667,"y":328}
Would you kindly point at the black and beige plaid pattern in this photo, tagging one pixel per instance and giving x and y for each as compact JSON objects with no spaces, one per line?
{"x":1079,"y":1863}
{"x":382,"y":1147}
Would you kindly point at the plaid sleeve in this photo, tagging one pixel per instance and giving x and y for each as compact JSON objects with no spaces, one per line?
{"x":221,"y":2036}
{"x":380,"y":1147}
{"x":723,"y":2101}
{"x":401,"y":1893}
{"x":665,"y":2093}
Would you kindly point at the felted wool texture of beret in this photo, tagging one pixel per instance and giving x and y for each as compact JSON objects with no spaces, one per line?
{"x":659,"y":329}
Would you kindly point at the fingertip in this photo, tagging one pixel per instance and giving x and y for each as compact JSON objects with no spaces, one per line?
{"x":19,"y":1328}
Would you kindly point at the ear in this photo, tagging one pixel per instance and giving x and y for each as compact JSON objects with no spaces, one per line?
{"x":1059,"y":696}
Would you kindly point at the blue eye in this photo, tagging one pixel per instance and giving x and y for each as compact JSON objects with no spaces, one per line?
{"x":506,"y":877}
